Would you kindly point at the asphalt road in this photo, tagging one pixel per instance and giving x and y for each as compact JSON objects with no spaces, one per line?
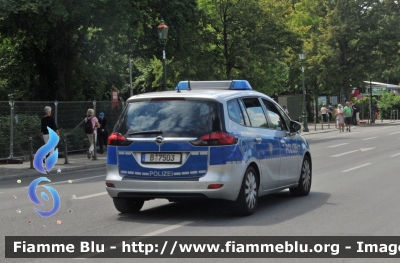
{"x":354,"y":193}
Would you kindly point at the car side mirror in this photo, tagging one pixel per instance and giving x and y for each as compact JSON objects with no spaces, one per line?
{"x":294,"y":126}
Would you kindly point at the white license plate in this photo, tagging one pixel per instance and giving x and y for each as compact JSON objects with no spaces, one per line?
{"x":161,"y":158}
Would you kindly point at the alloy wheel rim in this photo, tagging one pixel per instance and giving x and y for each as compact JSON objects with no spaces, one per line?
{"x":306,"y":175}
{"x":250,"y":190}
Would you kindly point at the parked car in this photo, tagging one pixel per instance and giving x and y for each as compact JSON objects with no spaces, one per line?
{"x":206,"y":139}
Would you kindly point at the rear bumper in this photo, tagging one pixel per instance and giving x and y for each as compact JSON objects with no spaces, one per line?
{"x":230,"y":175}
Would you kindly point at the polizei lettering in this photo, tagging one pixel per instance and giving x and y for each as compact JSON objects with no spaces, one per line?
{"x":292,"y":148}
{"x":161,"y":173}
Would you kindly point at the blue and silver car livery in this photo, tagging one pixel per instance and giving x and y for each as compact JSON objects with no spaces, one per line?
{"x":206,"y":139}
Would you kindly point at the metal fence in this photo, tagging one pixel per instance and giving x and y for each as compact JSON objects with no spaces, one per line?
{"x":20,"y":120}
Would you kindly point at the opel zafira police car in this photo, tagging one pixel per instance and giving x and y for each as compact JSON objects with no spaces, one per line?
{"x":205,"y":139}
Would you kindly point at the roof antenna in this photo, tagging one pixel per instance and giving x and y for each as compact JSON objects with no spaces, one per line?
{"x":178,"y":89}
{"x":189,"y":85}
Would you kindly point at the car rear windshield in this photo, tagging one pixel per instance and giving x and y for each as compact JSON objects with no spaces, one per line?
{"x":169,"y":118}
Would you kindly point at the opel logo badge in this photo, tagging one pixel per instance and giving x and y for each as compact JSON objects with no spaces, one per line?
{"x":159,"y":140}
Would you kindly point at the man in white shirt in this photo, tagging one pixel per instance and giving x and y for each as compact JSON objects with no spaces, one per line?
{"x":323,"y":112}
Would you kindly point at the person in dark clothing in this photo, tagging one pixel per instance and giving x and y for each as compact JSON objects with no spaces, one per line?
{"x":103,"y":134}
{"x":354,"y":117}
{"x":330,"y":111}
{"x":48,"y":121}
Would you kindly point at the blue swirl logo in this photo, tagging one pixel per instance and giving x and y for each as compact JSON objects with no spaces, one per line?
{"x":45,"y":149}
{"x":32,"y":195}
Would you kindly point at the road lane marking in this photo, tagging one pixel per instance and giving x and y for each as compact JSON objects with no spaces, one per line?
{"x":142,"y":237}
{"x":370,"y":138}
{"x":340,"y":154}
{"x":338,"y":145}
{"x":394,"y":133}
{"x":366,"y":149}
{"x":395,"y":155}
{"x":351,"y":169}
{"x":93,"y":195}
{"x":168,"y":228}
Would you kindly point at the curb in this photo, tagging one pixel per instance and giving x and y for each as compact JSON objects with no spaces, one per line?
{"x":318,"y":131}
{"x":35,"y":173}
{"x":361,"y":125}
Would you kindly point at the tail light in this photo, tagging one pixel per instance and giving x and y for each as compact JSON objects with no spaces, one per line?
{"x":110,"y":185}
{"x":215,"y":138}
{"x":214,"y":186}
{"x":118,"y":139}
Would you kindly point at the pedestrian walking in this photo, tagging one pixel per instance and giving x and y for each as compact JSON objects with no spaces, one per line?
{"x":48,"y":121}
{"x":91,"y":125}
{"x":103,"y":133}
{"x":348,"y":115}
{"x":323,"y":112}
{"x":330,"y":111}
{"x":340,"y":117}
{"x":358,"y":114}
{"x":356,"y":111}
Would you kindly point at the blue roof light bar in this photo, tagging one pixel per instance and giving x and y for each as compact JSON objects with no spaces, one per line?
{"x":240,"y":85}
{"x":182,"y":85}
{"x":224,"y":85}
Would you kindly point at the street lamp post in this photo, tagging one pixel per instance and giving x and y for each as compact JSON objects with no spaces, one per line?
{"x":162,"y":35}
{"x":370,"y":100}
{"x":302,"y":56}
{"x":130,"y":77}
{"x":362,"y":101}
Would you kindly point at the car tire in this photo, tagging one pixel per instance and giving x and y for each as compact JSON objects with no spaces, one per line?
{"x":304,"y":186}
{"x":128,"y":205}
{"x":246,"y":203}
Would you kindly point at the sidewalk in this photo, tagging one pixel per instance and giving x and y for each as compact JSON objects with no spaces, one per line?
{"x":378,"y":123}
{"x":81,"y":162}
{"x":76,"y":162}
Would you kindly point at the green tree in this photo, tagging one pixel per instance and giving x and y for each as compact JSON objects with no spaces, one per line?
{"x":54,"y":40}
{"x":349,"y":38}
{"x":247,"y":39}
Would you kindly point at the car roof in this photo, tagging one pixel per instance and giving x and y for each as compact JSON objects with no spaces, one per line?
{"x":218,"y":95}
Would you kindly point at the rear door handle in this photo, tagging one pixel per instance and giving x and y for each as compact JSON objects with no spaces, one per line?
{"x":258,"y":140}
{"x":283,"y":141}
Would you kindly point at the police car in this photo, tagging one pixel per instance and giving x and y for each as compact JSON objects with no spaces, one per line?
{"x":206,"y":139}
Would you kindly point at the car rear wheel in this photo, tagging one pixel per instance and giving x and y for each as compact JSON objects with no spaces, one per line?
{"x":128,"y":205}
{"x":247,"y":200}
{"x":304,"y":185}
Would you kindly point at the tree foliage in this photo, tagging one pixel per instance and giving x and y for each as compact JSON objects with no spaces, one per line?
{"x":348,"y":40}
{"x":80,"y":50}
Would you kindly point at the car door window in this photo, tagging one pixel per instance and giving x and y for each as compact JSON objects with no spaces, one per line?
{"x":277,"y":121}
{"x":285,"y":117}
{"x":234,"y":112}
{"x":245,"y":115}
{"x":255,"y":112}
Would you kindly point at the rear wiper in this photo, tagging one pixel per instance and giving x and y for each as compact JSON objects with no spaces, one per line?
{"x":146,"y":132}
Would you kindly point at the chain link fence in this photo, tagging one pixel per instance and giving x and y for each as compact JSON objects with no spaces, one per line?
{"x":20,"y":120}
